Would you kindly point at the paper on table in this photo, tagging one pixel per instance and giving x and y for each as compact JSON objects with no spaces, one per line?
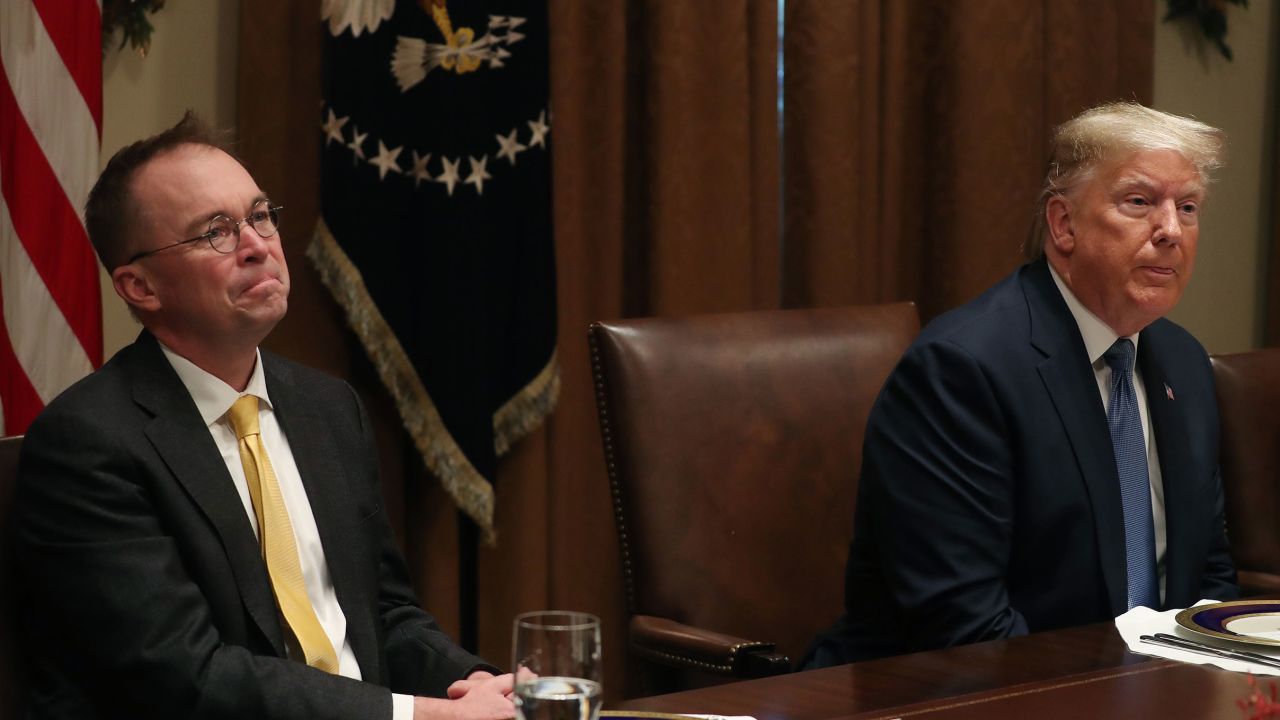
{"x":1145,"y":621}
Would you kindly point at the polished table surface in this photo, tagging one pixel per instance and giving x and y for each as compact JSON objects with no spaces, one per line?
{"x":1083,"y":672}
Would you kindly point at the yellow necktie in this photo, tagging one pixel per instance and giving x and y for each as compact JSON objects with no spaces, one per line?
{"x":276,"y":532}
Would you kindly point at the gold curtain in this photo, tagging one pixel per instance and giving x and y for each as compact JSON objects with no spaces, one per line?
{"x":915,"y":137}
{"x":916,"y":132}
{"x":1271,"y":324}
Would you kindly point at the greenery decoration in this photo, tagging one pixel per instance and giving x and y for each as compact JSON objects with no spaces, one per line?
{"x":1209,"y":15}
{"x":130,"y":18}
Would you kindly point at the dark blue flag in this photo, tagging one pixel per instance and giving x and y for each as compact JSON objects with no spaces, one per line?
{"x":436,"y":220}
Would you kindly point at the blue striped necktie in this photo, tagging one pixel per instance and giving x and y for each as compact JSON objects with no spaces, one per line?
{"x":1130,"y":449}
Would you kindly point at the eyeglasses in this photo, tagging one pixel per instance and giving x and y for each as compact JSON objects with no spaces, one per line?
{"x":224,"y":233}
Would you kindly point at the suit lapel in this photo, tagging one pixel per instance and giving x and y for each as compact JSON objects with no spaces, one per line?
{"x":313,"y":445}
{"x":181,"y":438}
{"x":1176,"y":467}
{"x":1072,"y":386}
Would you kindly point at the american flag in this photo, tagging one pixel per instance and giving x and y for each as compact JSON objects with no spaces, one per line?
{"x":50,"y":132}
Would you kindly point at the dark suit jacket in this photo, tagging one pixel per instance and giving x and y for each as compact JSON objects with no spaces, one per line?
{"x":989,"y":504}
{"x":145,"y":593}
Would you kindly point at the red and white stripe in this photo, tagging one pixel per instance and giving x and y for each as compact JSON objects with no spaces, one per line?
{"x":50,"y":132}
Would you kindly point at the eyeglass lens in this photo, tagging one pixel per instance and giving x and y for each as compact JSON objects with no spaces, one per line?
{"x":224,"y":233}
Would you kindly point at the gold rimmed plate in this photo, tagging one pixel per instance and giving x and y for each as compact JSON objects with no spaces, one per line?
{"x":1255,"y":622}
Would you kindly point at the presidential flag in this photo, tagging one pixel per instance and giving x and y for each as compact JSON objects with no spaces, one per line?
{"x":50,"y":131}
{"x":435,"y":235}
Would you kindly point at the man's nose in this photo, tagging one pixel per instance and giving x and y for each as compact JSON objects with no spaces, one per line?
{"x":252,"y":245}
{"x":1168,"y":226}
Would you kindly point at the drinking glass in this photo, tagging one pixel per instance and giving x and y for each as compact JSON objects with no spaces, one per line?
{"x":556,"y":660}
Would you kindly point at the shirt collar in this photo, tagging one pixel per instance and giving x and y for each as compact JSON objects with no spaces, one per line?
{"x":1098,"y":336}
{"x":213,"y":396}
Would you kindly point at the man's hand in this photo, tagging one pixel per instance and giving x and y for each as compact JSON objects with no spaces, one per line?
{"x":504,"y":683}
{"x":479,"y":697}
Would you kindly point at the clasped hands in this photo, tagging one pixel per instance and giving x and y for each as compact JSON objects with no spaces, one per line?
{"x":481,"y":696}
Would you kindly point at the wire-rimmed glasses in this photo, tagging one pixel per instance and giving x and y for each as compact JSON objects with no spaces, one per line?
{"x":223,"y":234}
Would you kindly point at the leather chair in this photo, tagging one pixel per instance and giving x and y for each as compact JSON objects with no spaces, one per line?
{"x":733,"y":445}
{"x":11,"y":684}
{"x":1249,"y":460}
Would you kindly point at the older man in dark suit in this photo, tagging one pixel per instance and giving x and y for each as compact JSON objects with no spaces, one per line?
{"x":198,"y":524}
{"x":1046,"y":455}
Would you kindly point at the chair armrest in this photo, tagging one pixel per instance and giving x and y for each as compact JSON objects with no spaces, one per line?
{"x":672,"y":643}
{"x":1254,"y":583}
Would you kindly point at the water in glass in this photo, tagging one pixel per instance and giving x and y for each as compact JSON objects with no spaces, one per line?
{"x":556,"y":660}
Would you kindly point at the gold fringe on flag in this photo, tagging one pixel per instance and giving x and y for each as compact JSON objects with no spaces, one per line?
{"x":524,"y":412}
{"x":515,"y":419}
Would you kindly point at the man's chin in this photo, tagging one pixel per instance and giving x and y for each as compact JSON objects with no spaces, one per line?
{"x":1157,"y":302}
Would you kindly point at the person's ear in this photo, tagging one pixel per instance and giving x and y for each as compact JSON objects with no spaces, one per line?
{"x":1059,"y":221}
{"x":134,"y":287}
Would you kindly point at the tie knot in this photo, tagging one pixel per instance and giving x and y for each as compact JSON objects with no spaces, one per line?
{"x":1120,"y":356}
{"x":244,"y":416}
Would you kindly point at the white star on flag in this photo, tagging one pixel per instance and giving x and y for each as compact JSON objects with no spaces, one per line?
{"x":357,"y":144}
{"x":539,"y":128}
{"x":478,"y":174}
{"x":509,"y":146}
{"x":419,"y":171}
{"x":386,"y":161}
{"x":449,"y":175}
{"x":333,"y":128}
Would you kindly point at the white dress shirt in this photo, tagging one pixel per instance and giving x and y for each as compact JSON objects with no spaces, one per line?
{"x":213,"y":398}
{"x":1098,"y":338}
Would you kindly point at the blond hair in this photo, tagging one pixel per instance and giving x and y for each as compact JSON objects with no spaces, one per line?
{"x":1106,"y":132}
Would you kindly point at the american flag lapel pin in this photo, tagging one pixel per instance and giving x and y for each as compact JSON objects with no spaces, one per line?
{"x":1168,"y":391}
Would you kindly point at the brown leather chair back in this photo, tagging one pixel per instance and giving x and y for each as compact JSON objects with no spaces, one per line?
{"x":1249,"y":461}
{"x":11,"y":685}
{"x":733,"y":445}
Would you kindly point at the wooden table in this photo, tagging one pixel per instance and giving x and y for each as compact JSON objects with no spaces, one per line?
{"x":1081,"y":672}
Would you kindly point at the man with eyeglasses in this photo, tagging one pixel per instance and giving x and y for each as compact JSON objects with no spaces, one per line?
{"x":198,"y":524}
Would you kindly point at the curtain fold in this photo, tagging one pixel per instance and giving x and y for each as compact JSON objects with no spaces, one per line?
{"x":916,"y":132}
{"x":1271,"y":249}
